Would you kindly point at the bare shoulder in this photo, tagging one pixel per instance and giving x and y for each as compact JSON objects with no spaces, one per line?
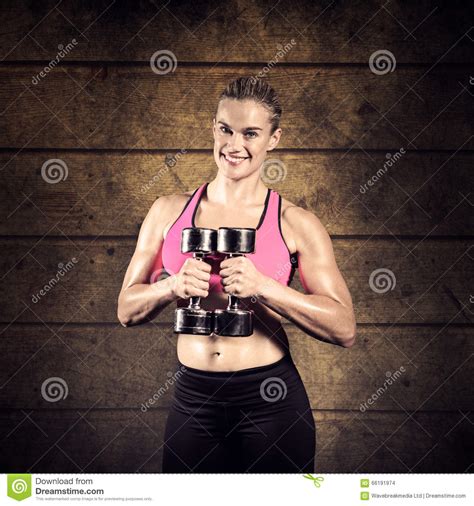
{"x":302,"y":226}
{"x":167,"y":208}
{"x":173,"y":201}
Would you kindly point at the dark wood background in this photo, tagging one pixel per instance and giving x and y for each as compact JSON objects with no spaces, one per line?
{"x":115,"y":124}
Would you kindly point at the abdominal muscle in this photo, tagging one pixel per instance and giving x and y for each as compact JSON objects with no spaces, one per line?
{"x":266,"y":345}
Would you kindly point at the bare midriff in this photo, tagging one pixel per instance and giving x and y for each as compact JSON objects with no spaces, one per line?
{"x":266,"y":345}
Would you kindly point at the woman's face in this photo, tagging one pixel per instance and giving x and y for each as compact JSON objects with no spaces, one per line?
{"x":242,"y":137}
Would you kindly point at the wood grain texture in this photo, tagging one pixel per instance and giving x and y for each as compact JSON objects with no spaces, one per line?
{"x":128,"y":135}
{"x":132,"y":107}
{"x":128,"y":441}
{"x":238,"y":31}
{"x":429,"y":280}
{"x":424,"y":194}
{"x":412,"y":368}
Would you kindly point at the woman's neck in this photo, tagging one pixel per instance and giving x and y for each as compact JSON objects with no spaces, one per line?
{"x":232,"y":192}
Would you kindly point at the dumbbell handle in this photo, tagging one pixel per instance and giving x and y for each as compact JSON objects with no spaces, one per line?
{"x":233,"y":300}
{"x":194,"y":302}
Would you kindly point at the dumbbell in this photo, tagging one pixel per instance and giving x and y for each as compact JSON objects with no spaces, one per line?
{"x":234,"y":321}
{"x":193,"y":319}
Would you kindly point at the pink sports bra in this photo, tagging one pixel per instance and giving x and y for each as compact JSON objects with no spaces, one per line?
{"x":271,"y":257}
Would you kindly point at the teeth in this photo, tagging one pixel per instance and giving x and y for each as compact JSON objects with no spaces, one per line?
{"x":233,"y":159}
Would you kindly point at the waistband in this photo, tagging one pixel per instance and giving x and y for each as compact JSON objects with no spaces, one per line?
{"x":241,"y":372}
{"x":245,"y":385}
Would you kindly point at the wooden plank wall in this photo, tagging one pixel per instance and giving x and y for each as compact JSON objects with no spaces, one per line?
{"x":114,"y":124}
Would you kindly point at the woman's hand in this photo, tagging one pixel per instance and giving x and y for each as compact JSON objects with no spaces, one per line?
{"x":192,"y":280}
{"x":240,"y":277}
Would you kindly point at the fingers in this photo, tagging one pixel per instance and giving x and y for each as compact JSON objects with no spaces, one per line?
{"x":191,"y":280}
{"x":198,"y":269}
{"x":200,"y":275}
{"x":234,"y":261}
{"x":231,"y":285}
{"x":199,"y":264}
{"x":194,"y":292}
{"x":235,"y":270}
{"x":193,"y":287}
{"x":195,"y":277}
{"x":233,"y":289}
{"x":237,"y":265}
{"x":228,"y":280}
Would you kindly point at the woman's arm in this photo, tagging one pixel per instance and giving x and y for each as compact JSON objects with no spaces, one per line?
{"x":142,"y":298}
{"x":139,"y":298}
{"x":325,"y":311}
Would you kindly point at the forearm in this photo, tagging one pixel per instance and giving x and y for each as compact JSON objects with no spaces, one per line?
{"x":139,"y":301}
{"x":318,"y":315}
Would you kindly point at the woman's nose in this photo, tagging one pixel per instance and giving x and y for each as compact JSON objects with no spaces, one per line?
{"x":236,"y":143}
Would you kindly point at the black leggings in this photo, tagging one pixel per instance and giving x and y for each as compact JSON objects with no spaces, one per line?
{"x":255,"y":420}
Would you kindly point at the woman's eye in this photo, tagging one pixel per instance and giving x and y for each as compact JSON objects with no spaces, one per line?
{"x":224,"y":129}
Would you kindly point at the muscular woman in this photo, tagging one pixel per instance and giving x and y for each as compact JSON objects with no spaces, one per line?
{"x":239,"y":404}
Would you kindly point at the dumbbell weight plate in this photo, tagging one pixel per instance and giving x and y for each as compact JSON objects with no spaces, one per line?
{"x":198,"y":240}
{"x":233,"y":322}
{"x":236,"y":240}
{"x":193,"y":321}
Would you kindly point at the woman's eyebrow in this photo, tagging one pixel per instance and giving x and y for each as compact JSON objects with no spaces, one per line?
{"x":248,"y":128}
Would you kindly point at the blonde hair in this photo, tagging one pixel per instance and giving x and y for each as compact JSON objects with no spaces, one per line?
{"x":258,"y":90}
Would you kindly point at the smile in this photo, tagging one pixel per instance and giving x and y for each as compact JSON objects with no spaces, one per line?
{"x":234,"y":160}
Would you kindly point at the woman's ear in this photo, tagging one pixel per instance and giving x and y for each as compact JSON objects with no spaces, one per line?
{"x":274,"y":139}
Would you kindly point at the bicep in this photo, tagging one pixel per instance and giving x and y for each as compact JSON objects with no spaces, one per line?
{"x":149,"y":242}
{"x":318,"y":270}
